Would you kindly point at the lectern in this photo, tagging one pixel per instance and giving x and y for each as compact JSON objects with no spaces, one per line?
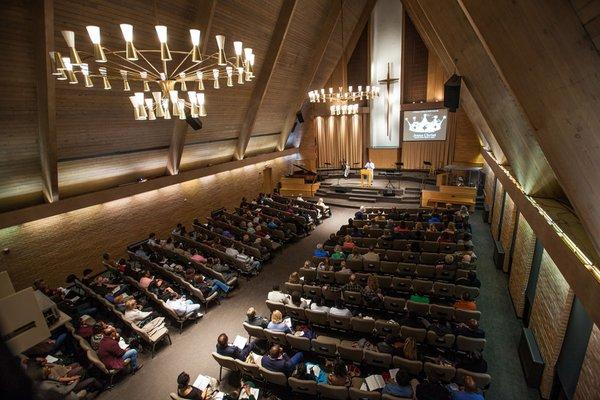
{"x":366,"y":173}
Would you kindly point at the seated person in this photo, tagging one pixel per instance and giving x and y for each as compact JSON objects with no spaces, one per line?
{"x":361,"y":214}
{"x":325,"y":266}
{"x":339,"y":374}
{"x":318,"y":304}
{"x":352,"y":285}
{"x":214,"y":285}
{"x":112,"y":356}
{"x":465,"y":302}
{"x":399,"y":385}
{"x":321,"y":204}
{"x":197,"y":257}
{"x":86,"y":277}
{"x":86,"y":327}
{"x":297,"y":301}
{"x":340,"y":310}
{"x":179,"y":230}
{"x":371,"y":256}
{"x":278,"y":361}
{"x":386,"y":241}
{"x":294,"y":277}
{"x":348,"y":244}
{"x":470,"y":329}
{"x":146,"y":279}
{"x":466,"y":239}
{"x":161,"y":289}
{"x":469,"y":391}
{"x":446,"y":237}
{"x":344,"y":268}
{"x":441,"y":327}
{"x":473,"y":362}
{"x":183,"y":307}
{"x":278,"y":324}
{"x":134,"y":313}
{"x":338,"y":254}
{"x":187,"y":391}
{"x":471,"y":280}
{"x":254,"y":319}
{"x":401,"y":227}
{"x":419,"y":297}
{"x":468,"y":251}
{"x":224,"y":348}
{"x":168,"y":244}
{"x":320,"y":252}
{"x":278,"y":296}
{"x":372,"y":293}
{"x":448,"y":264}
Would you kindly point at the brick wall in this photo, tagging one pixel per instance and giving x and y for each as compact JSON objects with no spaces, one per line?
{"x":521,"y":264}
{"x":549,"y":317}
{"x":488,"y":187}
{"x":54,"y":247}
{"x":588,"y":386}
{"x":508,"y":228}
{"x":497,"y":209}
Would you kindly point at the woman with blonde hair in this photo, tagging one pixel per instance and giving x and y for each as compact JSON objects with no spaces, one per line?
{"x":277,"y":323}
{"x":372,"y":293}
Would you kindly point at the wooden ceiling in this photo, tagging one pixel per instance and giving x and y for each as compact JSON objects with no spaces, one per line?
{"x":98,"y":144}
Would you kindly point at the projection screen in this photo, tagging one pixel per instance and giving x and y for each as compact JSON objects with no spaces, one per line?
{"x":425,"y":125}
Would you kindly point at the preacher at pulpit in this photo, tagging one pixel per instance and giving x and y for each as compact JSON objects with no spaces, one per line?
{"x":368,"y":172}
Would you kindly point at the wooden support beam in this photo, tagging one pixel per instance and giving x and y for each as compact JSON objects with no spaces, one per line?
{"x":46,"y":98}
{"x":203,"y":20}
{"x":317,"y":55}
{"x":264,"y":76}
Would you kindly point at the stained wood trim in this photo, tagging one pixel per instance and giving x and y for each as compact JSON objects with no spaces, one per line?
{"x":583,"y":282}
{"x":46,"y":99}
{"x":204,"y":16}
{"x":429,"y":105}
{"x":266,"y":72}
{"x":21,"y":216}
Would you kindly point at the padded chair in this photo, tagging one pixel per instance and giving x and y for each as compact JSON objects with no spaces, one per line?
{"x":420,"y":309}
{"x":355,"y":265}
{"x":363,"y":325}
{"x":391,"y":397}
{"x":254,"y":331}
{"x":310,"y":275}
{"x":377,"y":359}
{"x":443,"y":289}
{"x":403,"y":285}
{"x":417,"y":333}
{"x":399,"y":244}
{"x":341,"y":278}
{"x":467,"y":344}
{"x":174,"y":396}
{"x":317,"y":317}
{"x":354,"y":298}
{"x":340,"y":322}
{"x":406,"y":270}
{"x":481,"y":380}
{"x":384,"y":328}
{"x":432,"y":236}
{"x":331,"y":295}
{"x":296,"y":313}
{"x":248,"y":370}
{"x":276,"y":337}
{"x":388,"y":267}
{"x":276,"y":378}
{"x":413,"y":367}
{"x":447,"y":248}
{"x":394,"y":255}
{"x":423,"y":285}
{"x":332,"y":392}
{"x":462,"y":273}
{"x":444,"y":372}
{"x":446,"y":341}
{"x":298,"y":342}
{"x":357,"y":394}
{"x":306,"y":387}
{"x":292,"y":287}
{"x":429,"y":258}
{"x":362,"y":278}
{"x":460,"y":289}
{"x":410,"y":257}
{"x":438,"y":311}
{"x":326,"y":277}
{"x":395,"y":304}
{"x":371,"y":266}
{"x":349,"y":352}
{"x":325,"y":345}
{"x":430,"y":247}
{"x":425,"y":271}
{"x":275,"y":305}
{"x":312,"y":291}
{"x":444,"y":275}
{"x":465,"y":315}
{"x":224,"y":362}
{"x":385,"y":282}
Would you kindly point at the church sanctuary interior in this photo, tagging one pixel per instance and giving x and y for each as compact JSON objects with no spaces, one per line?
{"x":300,"y":199}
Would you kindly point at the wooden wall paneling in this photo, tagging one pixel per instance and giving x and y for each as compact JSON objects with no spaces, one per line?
{"x":358,"y":62}
{"x":203,"y":20}
{"x":44,"y":12}
{"x":488,"y":187}
{"x":557,"y":89}
{"x":414,"y":153}
{"x":467,"y":145}
{"x":260,"y":87}
{"x":53,"y":247}
{"x":524,"y":247}
{"x":384,"y":158}
{"x":587,"y":385}
{"x":588,"y":12}
{"x":436,"y":77}
{"x":262,"y":144}
{"x":414,"y":66}
{"x":496,"y":223}
{"x":509,"y":216}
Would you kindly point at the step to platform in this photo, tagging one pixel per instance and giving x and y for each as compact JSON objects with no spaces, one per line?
{"x":363,"y":199}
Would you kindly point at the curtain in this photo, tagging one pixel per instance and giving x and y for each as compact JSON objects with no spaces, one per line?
{"x":339,"y":138}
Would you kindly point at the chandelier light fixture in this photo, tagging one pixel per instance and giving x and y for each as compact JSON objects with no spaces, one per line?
{"x":340,"y":99}
{"x":159,"y":89}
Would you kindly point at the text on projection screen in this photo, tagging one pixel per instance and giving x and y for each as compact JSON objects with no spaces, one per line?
{"x":425,"y":125}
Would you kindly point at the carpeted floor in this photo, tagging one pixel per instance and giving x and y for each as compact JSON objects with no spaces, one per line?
{"x":191,"y":351}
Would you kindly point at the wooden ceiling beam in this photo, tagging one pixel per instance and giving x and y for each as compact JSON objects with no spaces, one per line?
{"x":204,"y":16}
{"x":46,"y":98}
{"x":317,"y":55}
{"x":264,"y":77}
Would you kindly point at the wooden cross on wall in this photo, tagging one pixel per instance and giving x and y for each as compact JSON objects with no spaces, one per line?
{"x":389,"y":81}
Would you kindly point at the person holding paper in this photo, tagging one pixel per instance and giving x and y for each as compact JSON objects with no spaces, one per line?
{"x":187,"y":391}
{"x":399,"y":386}
{"x":278,"y":324}
{"x":229,"y":350}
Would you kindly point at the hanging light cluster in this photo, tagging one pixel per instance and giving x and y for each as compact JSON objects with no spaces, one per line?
{"x":325,"y":96}
{"x":155,"y":93}
{"x":344,"y":109}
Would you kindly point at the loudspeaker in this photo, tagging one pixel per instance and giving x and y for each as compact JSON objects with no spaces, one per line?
{"x":452,"y":93}
{"x":195,"y":123}
{"x":299,"y":117}
{"x":389,"y":192}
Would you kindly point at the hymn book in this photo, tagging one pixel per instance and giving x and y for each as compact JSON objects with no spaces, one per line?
{"x":240,"y":342}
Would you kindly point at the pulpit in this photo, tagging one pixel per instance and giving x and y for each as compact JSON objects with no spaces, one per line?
{"x":368,"y":173}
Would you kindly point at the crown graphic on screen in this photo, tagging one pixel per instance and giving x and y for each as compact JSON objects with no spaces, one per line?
{"x":425,"y":125}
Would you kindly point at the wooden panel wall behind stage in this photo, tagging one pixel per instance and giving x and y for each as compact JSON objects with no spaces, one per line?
{"x":414,"y":65}
{"x":52,"y":248}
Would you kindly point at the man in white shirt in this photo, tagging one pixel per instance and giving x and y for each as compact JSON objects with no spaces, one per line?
{"x":370,"y":166}
{"x":340,"y":310}
{"x":183,"y":307}
{"x":278,"y":296}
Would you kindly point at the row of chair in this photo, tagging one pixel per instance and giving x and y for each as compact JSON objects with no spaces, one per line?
{"x":239,"y":232}
{"x":325,"y":211}
{"x":394,"y":256}
{"x":234,"y":243}
{"x":429,"y":246}
{"x":281,"y":203}
{"x":277,"y":234}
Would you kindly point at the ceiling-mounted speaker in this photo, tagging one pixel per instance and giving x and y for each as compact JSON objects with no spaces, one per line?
{"x":452,"y":93}
{"x":195,"y":123}
{"x":300,"y":117}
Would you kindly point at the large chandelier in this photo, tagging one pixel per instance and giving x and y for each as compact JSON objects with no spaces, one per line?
{"x":150,"y":73}
{"x":340,"y":99}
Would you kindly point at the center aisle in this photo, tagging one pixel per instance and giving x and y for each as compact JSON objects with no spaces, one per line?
{"x":191,"y":351}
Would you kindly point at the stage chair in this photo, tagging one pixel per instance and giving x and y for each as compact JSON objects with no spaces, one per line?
{"x":394,"y":255}
{"x":292,"y":287}
{"x":429,"y":258}
{"x":371,"y":266}
{"x":348,"y":352}
{"x":403,"y":285}
{"x":310,"y":275}
{"x":460,"y":289}
{"x":423,"y":285}
{"x":388,"y":267}
{"x":275,"y":305}
{"x":275,"y":337}
{"x":377,"y":359}
{"x":325,"y":345}
{"x":385,"y":282}
{"x":296,"y":313}
{"x":430,"y":247}
{"x":224,"y":362}
{"x":248,"y":370}
{"x":417,"y":333}
{"x":413,"y":367}
{"x":481,"y":380}
{"x":384,"y":328}
{"x":332,"y":392}
{"x":444,"y":372}
{"x":446,"y":341}
{"x":465,"y":315}
{"x":363,"y":325}
{"x":306,"y":387}
{"x":341,"y":278}
{"x":421,"y":309}
{"x":312,"y":291}
{"x":362,"y":277}
{"x":276,"y":378}
{"x":331,"y":295}
{"x":395,"y":304}
{"x":298,"y":342}
{"x":326,"y":277}
{"x":406,"y":269}
{"x":410,"y":257}
{"x":357,"y":394}
{"x":355,"y":265}
{"x":448,"y":248}
{"x":443,"y":289}
{"x":317,"y":317}
{"x":354,"y":298}
{"x":467,"y":344}
{"x":437,"y":311}
{"x":340,"y":322}
{"x":254,"y":331}
{"x":426,"y":271}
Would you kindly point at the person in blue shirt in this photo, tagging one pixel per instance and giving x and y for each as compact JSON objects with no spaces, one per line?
{"x":277,"y":323}
{"x":400,"y":386}
{"x":276,"y":360}
{"x":320,"y":252}
{"x":469,"y":392}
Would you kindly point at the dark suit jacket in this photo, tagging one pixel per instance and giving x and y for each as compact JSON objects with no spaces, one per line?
{"x":279,"y":365}
{"x":229,"y":351}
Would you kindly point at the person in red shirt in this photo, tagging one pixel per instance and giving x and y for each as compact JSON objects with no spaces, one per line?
{"x":465,"y":303}
{"x":113,"y":356}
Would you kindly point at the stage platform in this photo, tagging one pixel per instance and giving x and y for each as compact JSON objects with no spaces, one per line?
{"x":349,"y":193}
